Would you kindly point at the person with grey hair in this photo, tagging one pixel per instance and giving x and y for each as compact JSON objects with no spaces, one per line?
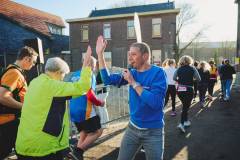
{"x":147,"y":89}
{"x":43,"y":131}
{"x":184,"y":76}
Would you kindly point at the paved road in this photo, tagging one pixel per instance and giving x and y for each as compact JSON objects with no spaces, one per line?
{"x":214,"y":134}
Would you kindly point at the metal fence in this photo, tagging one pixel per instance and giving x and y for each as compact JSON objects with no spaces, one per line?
{"x":117,"y":102}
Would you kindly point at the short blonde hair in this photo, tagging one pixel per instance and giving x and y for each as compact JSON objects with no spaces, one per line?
{"x":204,"y":65}
{"x":185,"y":60}
{"x":165,"y":63}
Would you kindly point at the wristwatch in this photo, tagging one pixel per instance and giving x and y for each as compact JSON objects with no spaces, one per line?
{"x":135,"y":84}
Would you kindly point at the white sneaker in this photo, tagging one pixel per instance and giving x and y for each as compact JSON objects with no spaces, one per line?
{"x":187,"y":124}
{"x":181,"y":127}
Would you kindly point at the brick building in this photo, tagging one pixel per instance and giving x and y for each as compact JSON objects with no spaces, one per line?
{"x":158,"y":26}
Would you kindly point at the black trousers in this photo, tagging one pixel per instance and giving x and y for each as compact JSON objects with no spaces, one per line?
{"x":211,"y":85}
{"x":8,"y":135}
{"x":202,"y":91}
{"x":186,"y":99}
{"x":171,"y":91}
{"x":195,"y":87}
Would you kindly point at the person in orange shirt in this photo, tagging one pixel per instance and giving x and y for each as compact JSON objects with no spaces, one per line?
{"x":213,"y":79}
{"x":13,"y":87}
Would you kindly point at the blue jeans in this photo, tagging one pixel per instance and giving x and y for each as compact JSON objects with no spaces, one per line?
{"x":152,"y":141}
{"x":227,"y":87}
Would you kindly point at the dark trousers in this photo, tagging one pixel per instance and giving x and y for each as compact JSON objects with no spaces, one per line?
{"x":202,"y":91}
{"x":211,"y":87}
{"x":195,"y":87}
{"x":171,"y":91}
{"x":186,"y":99}
{"x":54,"y":156}
{"x":8,"y":134}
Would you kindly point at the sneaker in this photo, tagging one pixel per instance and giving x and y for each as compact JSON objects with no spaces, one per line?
{"x":142,"y":150}
{"x":14,"y":157}
{"x":194,"y":100}
{"x":181,"y":127}
{"x":226,"y":98}
{"x":173,"y":113}
{"x":187,"y":124}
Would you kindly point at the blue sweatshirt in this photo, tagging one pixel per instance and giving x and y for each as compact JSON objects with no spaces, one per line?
{"x":146,"y":110}
{"x":80,"y":108}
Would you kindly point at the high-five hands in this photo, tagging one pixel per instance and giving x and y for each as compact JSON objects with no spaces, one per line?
{"x":87,"y":58}
{"x":100,"y":45}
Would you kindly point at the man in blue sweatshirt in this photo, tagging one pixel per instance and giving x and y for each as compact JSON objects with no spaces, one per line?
{"x":147,"y":89}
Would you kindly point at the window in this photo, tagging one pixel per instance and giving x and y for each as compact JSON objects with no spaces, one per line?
{"x":108,"y":59}
{"x":156,"y":27}
{"x":55,"y":29}
{"x":107,"y":31}
{"x":130,"y":29}
{"x":156,"y":57}
{"x":84,"y":33}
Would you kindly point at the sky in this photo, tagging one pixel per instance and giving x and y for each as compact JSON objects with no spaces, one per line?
{"x":219,"y":17}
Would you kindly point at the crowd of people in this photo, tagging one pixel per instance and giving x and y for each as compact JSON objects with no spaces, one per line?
{"x":34,"y":120}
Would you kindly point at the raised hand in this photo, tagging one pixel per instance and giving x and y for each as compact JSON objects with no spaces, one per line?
{"x":100,"y":45}
{"x":87,"y":58}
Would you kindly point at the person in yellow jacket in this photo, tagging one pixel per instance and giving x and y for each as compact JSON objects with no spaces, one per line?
{"x":43,"y":132}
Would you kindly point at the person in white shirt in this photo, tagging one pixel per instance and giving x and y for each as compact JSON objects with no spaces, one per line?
{"x":170,"y":68}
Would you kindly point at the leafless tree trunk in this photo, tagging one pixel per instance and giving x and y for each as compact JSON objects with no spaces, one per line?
{"x":185,"y":17}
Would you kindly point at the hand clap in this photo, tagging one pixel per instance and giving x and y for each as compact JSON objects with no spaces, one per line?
{"x":101,"y":45}
{"x":87,"y":58}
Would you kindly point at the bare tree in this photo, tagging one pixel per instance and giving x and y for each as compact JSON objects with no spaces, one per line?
{"x":226,"y":49}
{"x":186,"y":17}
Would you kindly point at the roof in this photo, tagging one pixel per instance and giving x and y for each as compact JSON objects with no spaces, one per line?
{"x":143,"y":10}
{"x":127,"y":10}
{"x":29,"y":17}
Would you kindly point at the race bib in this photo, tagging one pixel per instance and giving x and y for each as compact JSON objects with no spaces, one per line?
{"x":182,"y":89}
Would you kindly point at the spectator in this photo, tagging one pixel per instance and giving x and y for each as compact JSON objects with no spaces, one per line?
{"x":13,"y":87}
{"x":43,"y":131}
{"x":147,"y":89}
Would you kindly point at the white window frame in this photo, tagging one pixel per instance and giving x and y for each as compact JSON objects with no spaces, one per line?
{"x":130,"y":27}
{"x":157,"y":26}
{"x":156,"y":56}
{"x":107,"y":30}
{"x":85,"y":30}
